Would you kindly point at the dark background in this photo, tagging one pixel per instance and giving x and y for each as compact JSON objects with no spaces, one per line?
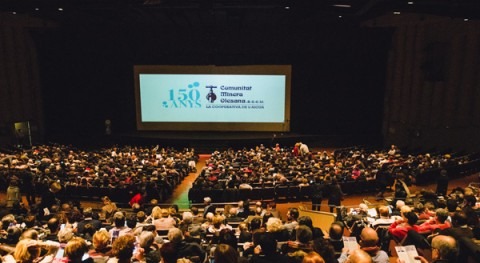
{"x":338,"y":67}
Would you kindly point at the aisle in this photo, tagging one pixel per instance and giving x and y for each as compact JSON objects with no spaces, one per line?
{"x":180,"y":194}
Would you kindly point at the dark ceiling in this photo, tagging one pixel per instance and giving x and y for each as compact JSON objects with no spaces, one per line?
{"x":163,"y":12}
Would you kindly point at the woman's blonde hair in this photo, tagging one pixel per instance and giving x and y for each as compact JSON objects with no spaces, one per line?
{"x":217,"y":220}
{"x":75,"y":249}
{"x":100,"y":239}
{"x":156,"y":212}
{"x":26,"y":250}
{"x":274,"y":224}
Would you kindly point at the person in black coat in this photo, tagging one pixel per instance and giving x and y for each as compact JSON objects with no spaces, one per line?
{"x":442,"y":183}
{"x":267,"y":251}
{"x":335,"y":195}
{"x":209,"y":208}
{"x":317,"y":194}
{"x":88,"y":219}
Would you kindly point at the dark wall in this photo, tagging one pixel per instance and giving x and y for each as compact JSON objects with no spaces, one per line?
{"x":338,"y":68}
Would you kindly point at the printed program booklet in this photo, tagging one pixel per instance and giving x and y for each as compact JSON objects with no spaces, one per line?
{"x":350,"y":243}
{"x":407,"y":253}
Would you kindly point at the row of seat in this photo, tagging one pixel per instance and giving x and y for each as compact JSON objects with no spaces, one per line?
{"x":120,"y":195}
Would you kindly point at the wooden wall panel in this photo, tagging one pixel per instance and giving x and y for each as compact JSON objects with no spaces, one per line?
{"x":433,"y":82}
{"x":20,"y":96}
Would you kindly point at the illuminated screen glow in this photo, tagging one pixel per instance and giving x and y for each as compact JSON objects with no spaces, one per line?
{"x":252,"y":98}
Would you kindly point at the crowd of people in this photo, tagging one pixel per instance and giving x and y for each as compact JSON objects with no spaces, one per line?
{"x":60,"y":230}
{"x":44,"y":170}
{"x":323,"y":171}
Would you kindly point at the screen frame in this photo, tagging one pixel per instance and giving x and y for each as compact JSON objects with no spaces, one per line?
{"x":212,"y":69}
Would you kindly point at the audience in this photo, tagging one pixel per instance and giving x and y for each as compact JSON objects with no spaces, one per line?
{"x":152,"y":173}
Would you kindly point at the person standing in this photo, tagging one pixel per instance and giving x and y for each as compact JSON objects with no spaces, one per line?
{"x":335,"y":195}
{"x":317,"y":194}
{"x":13,"y":193}
{"x":442,"y":183}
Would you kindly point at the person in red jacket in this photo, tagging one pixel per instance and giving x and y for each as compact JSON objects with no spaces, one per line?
{"x":400,"y":228}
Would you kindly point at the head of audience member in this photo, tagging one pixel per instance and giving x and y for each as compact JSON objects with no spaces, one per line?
{"x":292,"y":214}
{"x":441,"y":215}
{"x":101,"y":240}
{"x":313,"y":257}
{"x":64,"y":235}
{"x":225,"y":254}
{"x":119,"y":219}
{"x":359,"y":256}
{"x":274,"y":224}
{"x":7,"y":221}
{"x":268,"y":244}
{"x":187,"y":217}
{"x":175,"y":235}
{"x":26,"y":251}
{"x":459,"y":219}
{"x":194,"y":210}
{"x":156,"y":212}
{"x":232,"y":212}
{"x":165,"y":213}
{"x":207,"y":201}
{"x":470,"y":200}
{"x":88,"y":212}
{"x":304,"y":234}
{"x":243,"y":227}
{"x":444,"y":247}
{"x":325,"y":249}
{"x":218,"y":221}
{"x":336,"y":231}
{"x":410,"y":217}
{"x":368,"y":238}
{"x":452,"y":205}
{"x":384,"y":212}
{"x":227,"y":236}
{"x":146,"y":239}
{"x":141,"y":216}
{"x":399,"y":204}
{"x":169,"y":253}
{"x":305,"y":221}
{"x":255,"y":224}
{"x":122,"y":247}
{"x":75,"y":249}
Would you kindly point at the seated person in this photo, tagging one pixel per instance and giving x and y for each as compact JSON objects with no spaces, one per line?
{"x":400,"y":228}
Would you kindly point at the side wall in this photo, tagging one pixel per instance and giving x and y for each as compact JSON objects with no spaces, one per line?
{"x":432,"y":83}
{"x":20,"y":97}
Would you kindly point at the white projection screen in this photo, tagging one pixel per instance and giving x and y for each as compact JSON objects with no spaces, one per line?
{"x":213,"y":98}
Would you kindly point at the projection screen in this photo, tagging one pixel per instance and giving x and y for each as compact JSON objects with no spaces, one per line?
{"x":213,"y":98}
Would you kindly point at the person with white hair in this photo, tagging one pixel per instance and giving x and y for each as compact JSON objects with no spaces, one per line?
{"x":150,"y":251}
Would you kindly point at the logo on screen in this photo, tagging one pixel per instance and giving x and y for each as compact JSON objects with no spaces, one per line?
{"x":184,"y":98}
{"x":211,"y":96}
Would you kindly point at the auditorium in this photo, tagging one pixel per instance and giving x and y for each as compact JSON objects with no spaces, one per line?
{"x":239,"y":131}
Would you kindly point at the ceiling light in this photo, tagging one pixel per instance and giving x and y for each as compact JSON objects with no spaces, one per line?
{"x":14,"y":13}
{"x":60,"y":9}
{"x":410,"y":2}
{"x":342,"y":6}
{"x":465,"y":19}
{"x":396,"y":12}
{"x":36,"y":8}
